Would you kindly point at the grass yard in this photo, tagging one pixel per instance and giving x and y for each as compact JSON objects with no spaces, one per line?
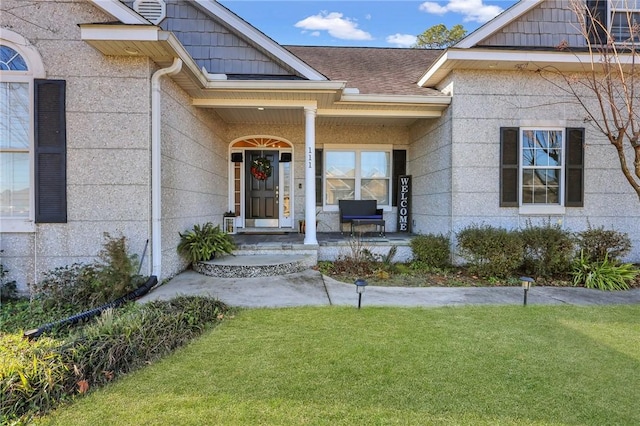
{"x":329,"y":366}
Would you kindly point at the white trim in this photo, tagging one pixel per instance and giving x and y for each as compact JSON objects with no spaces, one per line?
{"x":214,"y":83}
{"x":505,"y":18}
{"x":394,"y":99}
{"x":529,"y":58}
{"x":541,"y":209}
{"x":102,"y":32}
{"x":17,"y":225}
{"x":27,"y":50}
{"x":120,"y":11}
{"x":258,"y":39}
{"x":350,"y":113}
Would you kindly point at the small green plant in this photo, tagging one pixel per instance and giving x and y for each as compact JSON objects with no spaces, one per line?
{"x":598,"y":243}
{"x":603,"y":275}
{"x":432,"y":250}
{"x":489,"y":251}
{"x":204,"y":242}
{"x":8,"y":289}
{"x":548,"y":250}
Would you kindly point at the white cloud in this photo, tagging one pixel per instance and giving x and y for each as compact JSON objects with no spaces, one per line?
{"x":402,"y":40}
{"x":472,"y":10}
{"x":335,"y":25}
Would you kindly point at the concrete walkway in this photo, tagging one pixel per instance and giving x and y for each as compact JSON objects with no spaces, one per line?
{"x":310,"y":288}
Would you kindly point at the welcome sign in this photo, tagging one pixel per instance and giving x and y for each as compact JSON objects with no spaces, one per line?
{"x":404,"y":203}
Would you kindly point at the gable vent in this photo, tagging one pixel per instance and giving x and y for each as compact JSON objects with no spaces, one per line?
{"x":152,"y":10}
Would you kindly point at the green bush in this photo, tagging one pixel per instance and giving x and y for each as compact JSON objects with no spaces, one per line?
{"x":84,"y":286}
{"x":8,"y":289}
{"x":128,"y":338}
{"x":36,"y":375}
{"x":432,"y":250}
{"x":603,"y":275}
{"x":33,"y":377}
{"x":204,"y":242}
{"x":548,"y":250}
{"x":596,"y":244}
{"x":489,"y":251}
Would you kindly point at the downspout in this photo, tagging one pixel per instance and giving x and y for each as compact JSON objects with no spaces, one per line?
{"x":156,"y":157}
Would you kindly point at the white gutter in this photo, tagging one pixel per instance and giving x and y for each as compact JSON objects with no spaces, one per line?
{"x":156,"y":156}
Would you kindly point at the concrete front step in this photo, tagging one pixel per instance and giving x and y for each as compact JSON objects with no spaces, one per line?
{"x":256,"y":265}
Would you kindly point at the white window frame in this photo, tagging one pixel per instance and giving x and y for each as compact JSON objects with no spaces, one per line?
{"x":35,"y":69}
{"x":621,"y":6}
{"x":357,"y":149}
{"x":542,"y":209}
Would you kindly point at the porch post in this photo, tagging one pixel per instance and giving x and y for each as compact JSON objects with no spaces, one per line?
{"x":310,"y":175}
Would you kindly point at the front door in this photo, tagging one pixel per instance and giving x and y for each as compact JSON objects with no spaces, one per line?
{"x":261,"y":201}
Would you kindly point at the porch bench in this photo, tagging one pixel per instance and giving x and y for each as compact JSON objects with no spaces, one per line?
{"x":361,"y":212}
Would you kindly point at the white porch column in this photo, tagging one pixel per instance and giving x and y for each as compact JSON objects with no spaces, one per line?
{"x":310,"y":175}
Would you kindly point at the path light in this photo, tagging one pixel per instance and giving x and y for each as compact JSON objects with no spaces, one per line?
{"x":527,"y":282}
{"x":360,"y":285}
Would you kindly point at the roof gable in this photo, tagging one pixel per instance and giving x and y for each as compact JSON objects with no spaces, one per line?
{"x":218,"y":40}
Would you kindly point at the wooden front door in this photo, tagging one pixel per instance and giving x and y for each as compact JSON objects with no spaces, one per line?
{"x":262,"y":195}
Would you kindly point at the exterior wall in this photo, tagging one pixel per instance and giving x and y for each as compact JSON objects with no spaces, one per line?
{"x":194,"y":171}
{"x":429,"y":159}
{"x":548,"y":25}
{"x":486,"y":101}
{"x":212,"y":45}
{"x":107,"y":103}
{"x":398,"y":136}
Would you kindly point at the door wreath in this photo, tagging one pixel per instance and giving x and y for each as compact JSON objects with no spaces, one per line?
{"x":261,"y":168}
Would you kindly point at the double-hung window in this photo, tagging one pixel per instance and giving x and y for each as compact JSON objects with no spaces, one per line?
{"x":624,"y":20}
{"x":620,"y":18}
{"x":541,"y":168}
{"x":32,"y":139}
{"x":15,"y":136}
{"x":362,"y":173}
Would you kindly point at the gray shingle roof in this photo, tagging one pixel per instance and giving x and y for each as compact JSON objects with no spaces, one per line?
{"x":380,"y":71}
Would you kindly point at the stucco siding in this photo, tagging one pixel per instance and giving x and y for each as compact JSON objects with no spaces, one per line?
{"x":519,"y":99}
{"x":548,"y":25}
{"x":194,"y":171}
{"x":107,"y":102}
{"x":430,"y":166}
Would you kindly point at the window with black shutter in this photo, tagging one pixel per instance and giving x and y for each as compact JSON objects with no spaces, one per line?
{"x":50,"y":167}
{"x":596,"y":21}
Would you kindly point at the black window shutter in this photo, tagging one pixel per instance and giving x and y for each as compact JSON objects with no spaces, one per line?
{"x":50,"y":167}
{"x":597,"y":25}
{"x":574,"y":165}
{"x":509,"y":148}
{"x":399,"y":163}
{"x":319,"y":177}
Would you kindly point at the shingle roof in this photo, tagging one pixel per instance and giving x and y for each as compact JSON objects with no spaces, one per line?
{"x":380,"y":71}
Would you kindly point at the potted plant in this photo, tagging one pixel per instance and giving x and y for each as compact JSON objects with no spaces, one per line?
{"x":204,"y":242}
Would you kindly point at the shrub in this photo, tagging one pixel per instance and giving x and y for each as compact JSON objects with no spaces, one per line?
{"x":489,"y":251}
{"x":36,"y":375}
{"x":432,"y":250}
{"x":596,"y":244}
{"x":603,"y":275}
{"x":33,"y":376}
{"x":548,"y":250}
{"x":129,"y":338}
{"x":8,"y":289}
{"x":80,"y":287}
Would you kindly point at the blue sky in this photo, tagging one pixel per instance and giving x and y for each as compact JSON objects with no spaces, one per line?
{"x":380,"y":23}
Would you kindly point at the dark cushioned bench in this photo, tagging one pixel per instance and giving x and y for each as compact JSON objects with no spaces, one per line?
{"x":361,"y":212}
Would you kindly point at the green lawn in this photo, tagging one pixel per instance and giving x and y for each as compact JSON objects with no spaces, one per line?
{"x":464,"y":365}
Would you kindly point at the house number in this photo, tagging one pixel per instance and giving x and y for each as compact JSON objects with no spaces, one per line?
{"x":310,"y":159}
